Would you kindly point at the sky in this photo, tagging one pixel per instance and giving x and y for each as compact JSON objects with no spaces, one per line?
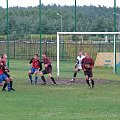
{"x":25,"y":3}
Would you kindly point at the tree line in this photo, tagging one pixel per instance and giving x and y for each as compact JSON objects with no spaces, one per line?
{"x":23,"y":21}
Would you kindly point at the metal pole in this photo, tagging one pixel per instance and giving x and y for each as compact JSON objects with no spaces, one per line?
{"x":75,"y":17}
{"x":61,"y":20}
{"x":61,"y":23}
{"x":7,"y":33}
{"x":58,"y":56}
{"x":75,"y":29}
{"x":14,"y":48}
{"x":114,"y":68}
{"x":61,"y":36}
{"x":115,"y":28}
{"x":40,"y":24}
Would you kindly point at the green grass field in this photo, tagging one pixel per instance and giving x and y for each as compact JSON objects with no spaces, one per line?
{"x":61,"y":102}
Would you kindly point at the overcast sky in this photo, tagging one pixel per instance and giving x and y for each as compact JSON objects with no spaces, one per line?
{"x":25,"y":3}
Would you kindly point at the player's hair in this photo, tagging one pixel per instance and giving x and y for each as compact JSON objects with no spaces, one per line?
{"x":36,"y":55}
{"x":87,"y":54}
{"x":44,"y":53}
{"x":3,"y":55}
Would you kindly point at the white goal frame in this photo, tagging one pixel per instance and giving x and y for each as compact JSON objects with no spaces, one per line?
{"x":85,"y":33}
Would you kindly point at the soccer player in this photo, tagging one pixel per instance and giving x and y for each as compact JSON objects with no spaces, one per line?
{"x":47,"y":70}
{"x":78,"y":65}
{"x":6,"y":72}
{"x":3,"y":77}
{"x":36,"y":67}
{"x":87,"y":65}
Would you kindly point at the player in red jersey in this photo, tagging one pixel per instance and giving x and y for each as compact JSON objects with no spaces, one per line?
{"x":6,"y":72}
{"x":47,"y":70}
{"x":36,"y":67}
{"x":3,"y":77}
{"x":87,"y":65}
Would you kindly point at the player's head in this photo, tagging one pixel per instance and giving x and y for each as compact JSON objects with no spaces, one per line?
{"x":80,"y":53}
{"x":43,"y":55}
{"x":36,"y":56}
{"x":4,"y":56}
{"x":87,"y":55}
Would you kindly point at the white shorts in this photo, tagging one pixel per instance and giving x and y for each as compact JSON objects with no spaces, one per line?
{"x":79,"y":67}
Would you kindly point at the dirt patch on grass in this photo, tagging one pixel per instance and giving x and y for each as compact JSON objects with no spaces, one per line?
{"x":63,"y":81}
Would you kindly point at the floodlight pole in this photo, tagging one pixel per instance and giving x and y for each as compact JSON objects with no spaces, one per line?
{"x":40,"y":24}
{"x":61,"y":20}
{"x":115,"y":29}
{"x":7,"y":33}
{"x":75,"y":17}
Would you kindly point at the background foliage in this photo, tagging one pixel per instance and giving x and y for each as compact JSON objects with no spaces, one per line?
{"x":24,"y":21}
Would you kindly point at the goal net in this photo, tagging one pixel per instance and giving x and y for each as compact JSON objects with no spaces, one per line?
{"x":103,"y":47}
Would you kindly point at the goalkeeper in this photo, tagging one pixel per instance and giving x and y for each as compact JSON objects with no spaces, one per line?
{"x":87,"y":65}
{"x":78,"y":65}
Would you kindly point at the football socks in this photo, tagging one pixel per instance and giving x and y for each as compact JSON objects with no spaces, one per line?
{"x":53,"y":80}
{"x":43,"y":78}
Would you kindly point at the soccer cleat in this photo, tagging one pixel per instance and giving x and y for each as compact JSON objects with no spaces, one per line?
{"x":9,"y":90}
{"x":73,"y":80}
{"x":44,"y":83}
{"x":12,"y":89}
{"x":3,"y":89}
{"x":55,"y":84}
{"x":32,"y":83}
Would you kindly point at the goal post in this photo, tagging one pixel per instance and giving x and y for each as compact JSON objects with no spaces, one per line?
{"x":86,"y":33}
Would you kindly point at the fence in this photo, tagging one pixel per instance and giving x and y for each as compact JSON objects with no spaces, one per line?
{"x":25,"y":49}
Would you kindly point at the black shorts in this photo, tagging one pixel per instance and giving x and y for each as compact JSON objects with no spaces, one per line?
{"x":8,"y":75}
{"x":47,"y":70}
{"x":88,"y":72}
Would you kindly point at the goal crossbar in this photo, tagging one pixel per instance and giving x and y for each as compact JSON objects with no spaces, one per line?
{"x":86,"y":33}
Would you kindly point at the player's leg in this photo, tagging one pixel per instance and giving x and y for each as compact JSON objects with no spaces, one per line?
{"x":30,"y":73}
{"x":6,"y":79}
{"x":4,"y":86}
{"x":1,"y":80}
{"x":91,"y":77}
{"x":75,"y":74}
{"x":1,"y":84}
{"x":11,"y":82}
{"x":92,"y":81}
{"x":87,"y":78}
{"x":50,"y":75}
{"x":36,"y":76}
{"x":8,"y":84}
{"x":42,"y":76}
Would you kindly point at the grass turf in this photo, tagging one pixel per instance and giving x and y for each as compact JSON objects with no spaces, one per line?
{"x":62,"y":102}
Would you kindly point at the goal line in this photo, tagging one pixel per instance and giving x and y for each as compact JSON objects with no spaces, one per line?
{"x":85,"y":33}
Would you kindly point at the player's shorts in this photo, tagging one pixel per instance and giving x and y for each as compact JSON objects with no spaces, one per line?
{"x":47,"y":70}
{"x":33,"y":70}
{"x":3,"y":77}
{"x":7,"y":74}
{"x":88,"y":72}
{"x":79,"y":68}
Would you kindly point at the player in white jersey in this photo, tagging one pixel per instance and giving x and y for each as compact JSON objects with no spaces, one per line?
{"x":78,"y":65}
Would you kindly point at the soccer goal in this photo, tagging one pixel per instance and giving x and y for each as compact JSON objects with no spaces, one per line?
{"x":104,"y":47}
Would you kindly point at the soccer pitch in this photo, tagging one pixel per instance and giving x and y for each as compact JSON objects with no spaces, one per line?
{"x":62,"y":102}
